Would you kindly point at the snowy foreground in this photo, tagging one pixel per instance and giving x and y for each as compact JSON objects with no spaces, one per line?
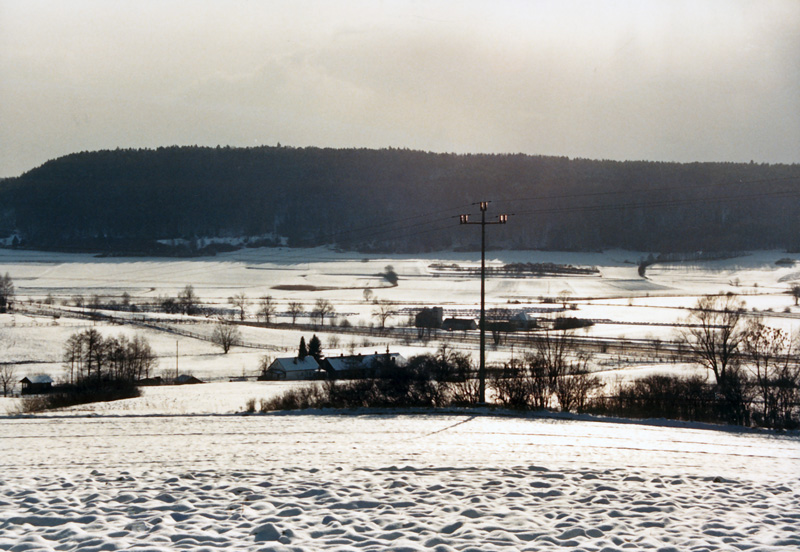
{"x":175,"y":469}
{"x":383,"y":481}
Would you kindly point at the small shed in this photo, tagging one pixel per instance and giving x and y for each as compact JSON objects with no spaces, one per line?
{"x":36,"y":385}
{"x":186,"y":379}
{"x":292,"y":368}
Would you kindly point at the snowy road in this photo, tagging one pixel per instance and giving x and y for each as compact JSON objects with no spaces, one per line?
{"x":391,"y":482}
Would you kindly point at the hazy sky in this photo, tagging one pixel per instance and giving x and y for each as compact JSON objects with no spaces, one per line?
{"x":693,"y":80}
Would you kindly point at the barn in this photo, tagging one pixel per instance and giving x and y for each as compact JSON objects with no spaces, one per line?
{"x":36,"y":385}
{"x":292,"y":368}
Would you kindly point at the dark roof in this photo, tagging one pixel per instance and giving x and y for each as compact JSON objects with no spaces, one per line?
{"x":186,"y":378}
{"x":355,"y":362}
{"x":40,"y":379}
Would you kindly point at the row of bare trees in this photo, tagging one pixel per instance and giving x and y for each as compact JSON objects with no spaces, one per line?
{"x":754,"y":374}
{"x":554,"y":371}
{"x":89,"y":355}
{"x":268,"y":309}
{"x":755,"y":367}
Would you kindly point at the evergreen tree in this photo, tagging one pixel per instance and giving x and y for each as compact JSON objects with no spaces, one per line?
{"x":315,"y":347}
{"x":303,"y":352}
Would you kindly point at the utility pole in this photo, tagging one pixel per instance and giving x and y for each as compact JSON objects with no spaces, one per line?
{"x":501,"y":219}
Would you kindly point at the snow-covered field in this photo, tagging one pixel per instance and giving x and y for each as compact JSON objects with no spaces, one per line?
{"x":391,"y":482}
{"x":625,"y":304}
{"x":175,"y":469}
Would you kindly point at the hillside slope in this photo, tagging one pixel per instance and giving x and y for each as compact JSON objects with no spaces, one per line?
{"x":396,"y":200}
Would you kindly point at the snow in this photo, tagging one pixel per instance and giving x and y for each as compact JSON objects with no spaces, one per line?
{"x":179,"y":469}
{"x":391,"y":481}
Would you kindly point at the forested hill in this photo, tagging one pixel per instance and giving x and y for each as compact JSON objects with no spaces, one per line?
{"x":397,"y":200}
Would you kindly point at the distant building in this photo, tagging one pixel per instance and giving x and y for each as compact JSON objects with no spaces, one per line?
{"x":429,"y":317}
{"x":36,"y":385}
{"x":361,"y":366}
{"x":186,"y":379}
{"x":292,"y":368}
{"x":454,"y":324}
{"x":522,"y":321}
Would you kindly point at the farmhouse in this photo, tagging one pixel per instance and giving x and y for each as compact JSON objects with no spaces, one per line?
{"x":35,"y":385}
{"x":292,"y":368}
{"x":361,"y":366}
{"x":453,"y":324}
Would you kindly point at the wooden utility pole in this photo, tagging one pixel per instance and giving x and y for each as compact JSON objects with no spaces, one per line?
{"x":501,"y":219}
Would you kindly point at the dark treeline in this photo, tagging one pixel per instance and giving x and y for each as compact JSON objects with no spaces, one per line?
{"x":397,"y":200}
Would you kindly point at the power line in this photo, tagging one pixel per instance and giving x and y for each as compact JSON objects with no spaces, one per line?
{"x":501,"y":219}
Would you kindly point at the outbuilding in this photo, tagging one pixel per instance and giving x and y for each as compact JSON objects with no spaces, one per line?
{"x":455,"y":324}
{"x":186,"y":379}
{"x":36,"y":385}
{"x":361,"y":366}
{"x":292,"y":368}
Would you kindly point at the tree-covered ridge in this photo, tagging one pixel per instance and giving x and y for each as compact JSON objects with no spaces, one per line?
{"x":398,"y":200}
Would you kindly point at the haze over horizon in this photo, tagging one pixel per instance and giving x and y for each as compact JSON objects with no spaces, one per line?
{"x":707,"y":80}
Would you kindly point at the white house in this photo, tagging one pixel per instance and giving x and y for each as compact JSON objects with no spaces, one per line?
{"x":292,"y":368}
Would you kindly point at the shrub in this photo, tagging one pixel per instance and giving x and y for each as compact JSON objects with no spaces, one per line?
{"x":571,"y":323}
{"x":85,"y":391}
{"x":662,"y":396}
{"x":297,"y":398}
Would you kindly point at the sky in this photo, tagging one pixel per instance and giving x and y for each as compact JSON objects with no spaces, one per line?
{"x":663,"y":80}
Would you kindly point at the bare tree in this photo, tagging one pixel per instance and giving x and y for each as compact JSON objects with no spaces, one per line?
{"x":226,"y":335}
{"x":141,"y":360}
{"x":563,"y":297}
{"x":239,"y":301}
{"x":267,"y":308}
{"x":322,"y":308}
{"x":94,"y":351}
{"x":383,"y":311}
{"x":771,"y":356}
{"x":557,"y":359}
{"x":188,"y":300}
{"x":714,"y":334}
{"x":295,"y":310}
{"x":90,"y":355}
{"x":795,"y":293}
{"x":8,"y":376}
{"x":513,"y":386}
{"x":6,"y":292}
{"x":575,"y":384}
{"x":73,"y":357}
{"x":368,"y":294}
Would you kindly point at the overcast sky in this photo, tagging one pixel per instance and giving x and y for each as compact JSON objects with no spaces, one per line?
{"x":693,"y":80}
